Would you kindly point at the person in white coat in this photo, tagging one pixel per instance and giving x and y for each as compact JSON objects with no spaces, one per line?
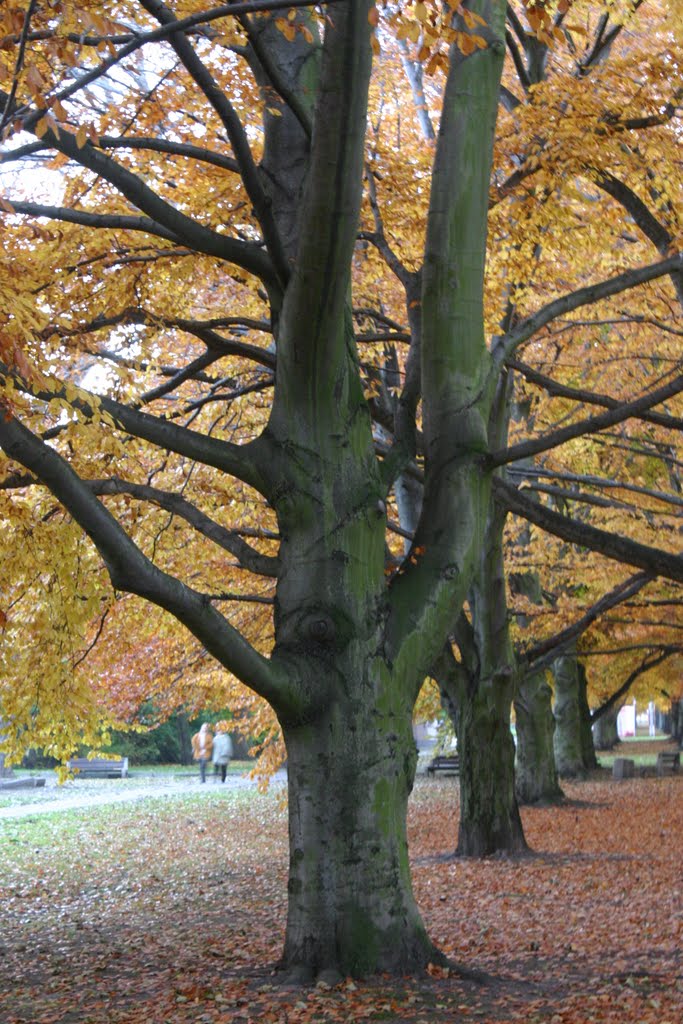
{"x":222,"y":751}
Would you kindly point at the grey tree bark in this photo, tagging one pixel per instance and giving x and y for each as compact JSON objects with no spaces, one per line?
{"x":536,"y":772}
{"x":481,"y":685}
{"x":605,"y":735}
{"x":574,"y":751}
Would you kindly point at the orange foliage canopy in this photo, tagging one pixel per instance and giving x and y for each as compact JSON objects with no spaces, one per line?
{"x":99,"y":299}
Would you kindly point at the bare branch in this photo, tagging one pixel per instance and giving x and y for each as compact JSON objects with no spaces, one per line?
{"x":588,"y":426}
{"x":597,"y":481}
{"x":236,"y":133}
{"x":620,"y":549}
{"x":247,"y":462}
{"x":183,"y":149}
{"x":131,"y":571}
{"x":540,"y":656}
{"x":507,"y":344}
{"x":248,"y":557}
{"x":557,"y":390}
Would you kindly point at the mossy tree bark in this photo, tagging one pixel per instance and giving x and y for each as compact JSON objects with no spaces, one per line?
{"x":479,"y":708}
{"x":352,"y":646}
{"x":574,"y":751}
{"x":351,"y":905}
{"x":360,"y":650}
{"x":489,"y":815}
{"x":605,"y":733}
{"x":536,"y":773}
{"x":535,"y":770}
{"x":481,"y":688}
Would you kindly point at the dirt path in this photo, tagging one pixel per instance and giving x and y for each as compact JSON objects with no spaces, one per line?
{"x":52,"y":798}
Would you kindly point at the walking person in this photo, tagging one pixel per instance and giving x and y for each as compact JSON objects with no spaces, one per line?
{"x":222,"y":751}
{"x":202,"y":746}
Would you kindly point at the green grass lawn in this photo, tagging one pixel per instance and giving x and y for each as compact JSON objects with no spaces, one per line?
{"x":642,"y":750}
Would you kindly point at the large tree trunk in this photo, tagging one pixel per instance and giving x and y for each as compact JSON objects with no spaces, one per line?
{"x":351,"y":905}
{"x":536,"y":773}
{"x":352,"y":647}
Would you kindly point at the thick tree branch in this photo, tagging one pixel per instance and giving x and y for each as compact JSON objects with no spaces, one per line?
{"x":100,"y":221}
{"x":541,"y":655}
{"x":248,"y":557}
{"x":275,"y":79}
{"x":248,"y":462}
{"x":456,"y":380}
{"x":524,"y":330}
{"x":185,"y":229}
{"x":652,"y":560}
{"x":160,"y":217}
{"x":644,"y":218}
{"x":184,"y":149}
{"x":557,"y":390}
{"x":236,"y":133}
{"x":591,"y":425}
{"x":311,"y":345}
{"x":516,"y":55}
{"x":131,"y":571}
{"x":642,"y":215}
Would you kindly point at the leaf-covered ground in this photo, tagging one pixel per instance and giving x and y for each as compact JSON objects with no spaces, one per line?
{"x":171,"y":912}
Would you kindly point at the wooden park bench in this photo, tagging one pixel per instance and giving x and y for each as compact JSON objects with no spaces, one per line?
{"x":107,"y":767}
{"x":668,"y":761}
{"x":444,"y":763}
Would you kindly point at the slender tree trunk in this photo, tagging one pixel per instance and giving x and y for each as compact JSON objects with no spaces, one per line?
{"x":184,"y":738}
{"x":574,"y":752}
{"x":590,"y":761}
{"x":536,"y":774}
{"x":605,"y":735}
{"x":489,"y":815}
